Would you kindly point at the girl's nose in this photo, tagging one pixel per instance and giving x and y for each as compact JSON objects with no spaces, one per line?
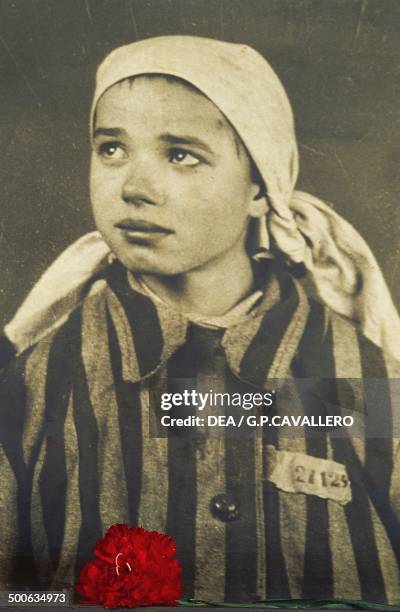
{"x":141,"y":184}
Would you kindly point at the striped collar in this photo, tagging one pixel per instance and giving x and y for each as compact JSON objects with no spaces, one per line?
{"x":259,"y":347}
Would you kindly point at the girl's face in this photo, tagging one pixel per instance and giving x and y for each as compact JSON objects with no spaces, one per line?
{"x":170,"y":185}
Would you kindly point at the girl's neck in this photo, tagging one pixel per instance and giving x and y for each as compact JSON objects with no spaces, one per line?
{"x":212,"y":290}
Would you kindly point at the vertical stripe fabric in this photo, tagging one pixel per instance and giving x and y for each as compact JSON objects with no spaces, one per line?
{"x":81,"y":453}
{"x":207,"y":368}
{"x":88,"y":447}
{"x":345,"y":576}
{"x":182,"y":504}
{"x":129,"y":423}
{"x":8,"y":497}
{"x":260,"y":518}
{"x":64,"y":574}
{"x":358,"y":513}
{"x":211,"y":534}
{"x":53,"y":478}
{"x":277,"y":581}
{"x":113,"y":502}
{"x":292,"y":509}
{"x":154,"y":486}
{"x":34,"y":444}
{"x":318,"y":570}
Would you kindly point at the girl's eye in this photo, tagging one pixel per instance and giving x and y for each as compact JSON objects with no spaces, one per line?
{"x":111,"y":150}
{"x":183,"y":158}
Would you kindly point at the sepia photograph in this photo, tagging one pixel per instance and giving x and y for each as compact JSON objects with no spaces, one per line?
{"x":200,"y":294}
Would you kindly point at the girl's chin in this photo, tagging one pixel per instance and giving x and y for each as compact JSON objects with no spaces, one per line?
{"x":156,"y":266}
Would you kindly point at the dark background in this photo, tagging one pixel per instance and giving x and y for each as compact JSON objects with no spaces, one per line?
{"x":338,"y":59}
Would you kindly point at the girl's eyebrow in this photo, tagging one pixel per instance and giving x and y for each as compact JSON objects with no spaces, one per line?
{"x":116,"y":132}
{"x":169,"y":138}
{"x":187,"y":140}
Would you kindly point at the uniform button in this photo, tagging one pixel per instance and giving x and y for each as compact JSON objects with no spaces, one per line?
{"x":224,"y":508}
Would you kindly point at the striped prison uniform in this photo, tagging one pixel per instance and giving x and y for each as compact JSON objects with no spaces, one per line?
{"x":77,"y":456}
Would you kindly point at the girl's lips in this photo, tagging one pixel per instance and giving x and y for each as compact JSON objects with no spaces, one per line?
{"x":142,"y":232}
{"x":143,"y":227}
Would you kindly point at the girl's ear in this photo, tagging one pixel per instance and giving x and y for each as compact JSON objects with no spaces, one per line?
{"x":259,"y":204}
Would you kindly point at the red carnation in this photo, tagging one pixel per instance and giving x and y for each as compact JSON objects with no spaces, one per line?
{"x":133,"y":567}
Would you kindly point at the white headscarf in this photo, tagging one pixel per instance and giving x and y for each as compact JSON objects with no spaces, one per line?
{"x":244,"y":87}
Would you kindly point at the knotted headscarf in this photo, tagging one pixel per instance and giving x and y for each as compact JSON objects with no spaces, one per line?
{"x":244,"y":87}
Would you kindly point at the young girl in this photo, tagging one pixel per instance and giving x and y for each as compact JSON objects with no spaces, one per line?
{"x":192,"y":284}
